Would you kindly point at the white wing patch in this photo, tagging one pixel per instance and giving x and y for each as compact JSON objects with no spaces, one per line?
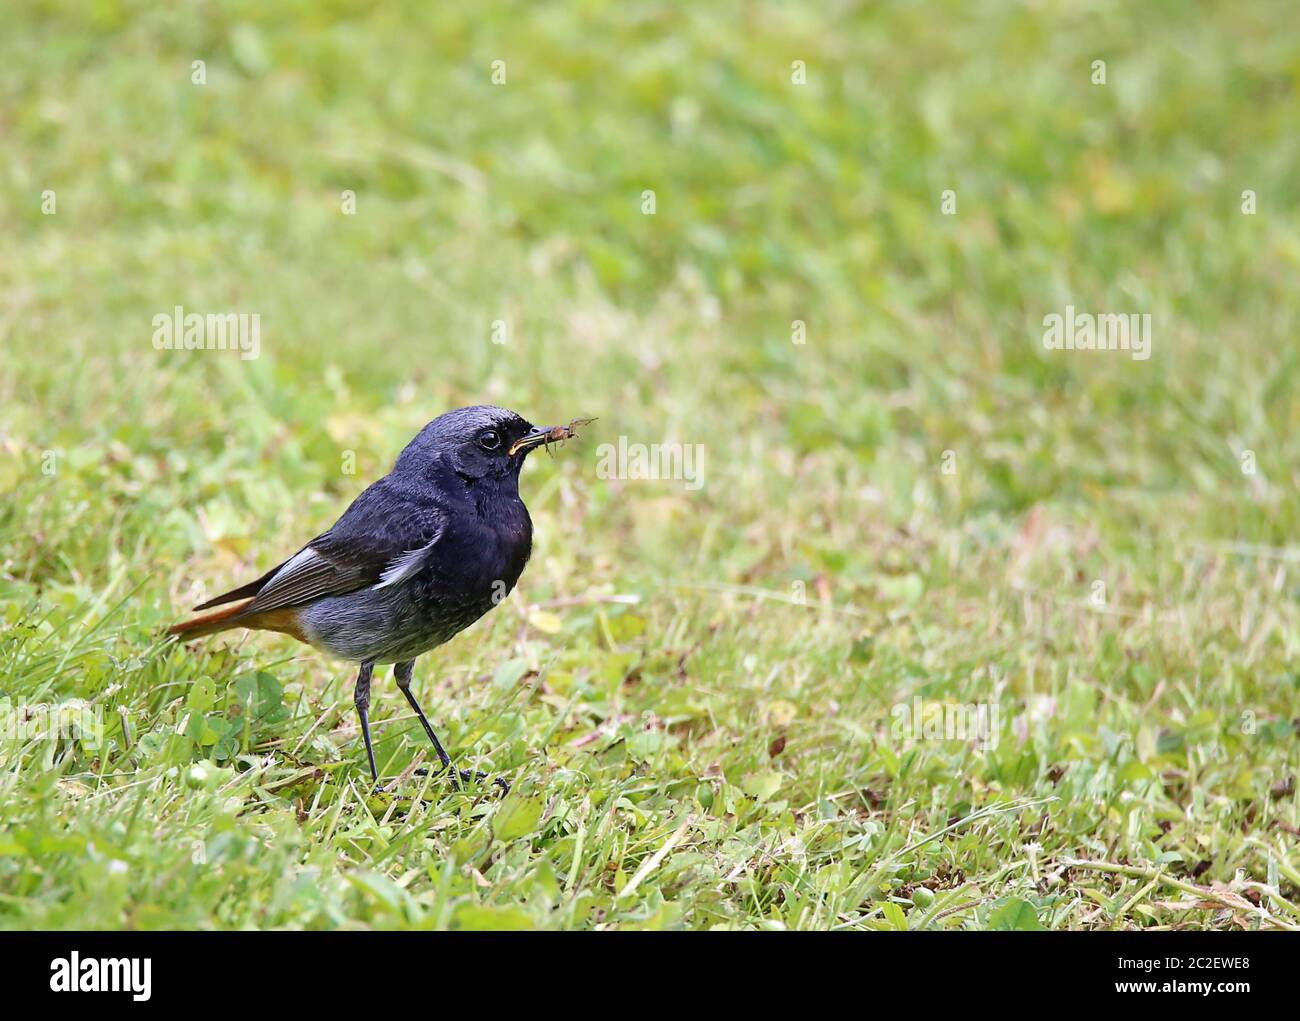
{"x":304,"y":558}
{"x":304,"y":576}
{"x":405,"y":565}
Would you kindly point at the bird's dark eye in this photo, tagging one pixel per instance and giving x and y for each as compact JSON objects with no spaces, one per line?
{"x":489,"y":439}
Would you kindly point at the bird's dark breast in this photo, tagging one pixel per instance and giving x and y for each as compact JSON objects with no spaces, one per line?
{"x":474,"y":570}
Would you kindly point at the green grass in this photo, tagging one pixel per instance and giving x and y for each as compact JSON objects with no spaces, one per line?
{"x":693,"y":692}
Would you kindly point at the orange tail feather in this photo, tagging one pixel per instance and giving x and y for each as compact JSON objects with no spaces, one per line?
{"x":209,"y":624}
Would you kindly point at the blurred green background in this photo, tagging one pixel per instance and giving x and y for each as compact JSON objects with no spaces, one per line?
{"x":1161,"y":721}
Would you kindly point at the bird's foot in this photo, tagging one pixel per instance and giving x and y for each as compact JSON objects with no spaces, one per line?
{"x":459,"y":776}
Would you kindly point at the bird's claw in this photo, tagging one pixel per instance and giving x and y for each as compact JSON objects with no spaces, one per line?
{"x":459,"y":776}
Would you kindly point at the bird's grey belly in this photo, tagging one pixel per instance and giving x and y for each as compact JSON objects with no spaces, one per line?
{"x":386,"y":625}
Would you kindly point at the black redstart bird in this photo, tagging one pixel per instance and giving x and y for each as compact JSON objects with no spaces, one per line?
{"x":419,"y":556}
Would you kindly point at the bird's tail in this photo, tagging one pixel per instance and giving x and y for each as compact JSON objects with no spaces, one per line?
{"x":209,"y":624}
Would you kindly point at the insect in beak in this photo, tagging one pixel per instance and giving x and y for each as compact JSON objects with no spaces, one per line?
{"x":548,"y":435}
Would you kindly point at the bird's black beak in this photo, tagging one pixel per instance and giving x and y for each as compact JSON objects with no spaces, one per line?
{"x":535,"y":439}
{"x":551,"y":434}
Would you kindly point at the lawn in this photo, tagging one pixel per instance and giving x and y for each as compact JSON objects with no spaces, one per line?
{"x":950,"y":631}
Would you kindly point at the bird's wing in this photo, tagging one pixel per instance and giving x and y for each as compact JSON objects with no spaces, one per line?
{"x":244,"y":591}
{"x":309,"y":574}
{"x":379,"y":541}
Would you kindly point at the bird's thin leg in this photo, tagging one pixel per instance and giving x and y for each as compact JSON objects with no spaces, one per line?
{"x":404,"y":672}
{"x":362,"y":699}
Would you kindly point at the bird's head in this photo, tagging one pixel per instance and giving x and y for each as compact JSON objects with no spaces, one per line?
{"x":480,"y":444}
